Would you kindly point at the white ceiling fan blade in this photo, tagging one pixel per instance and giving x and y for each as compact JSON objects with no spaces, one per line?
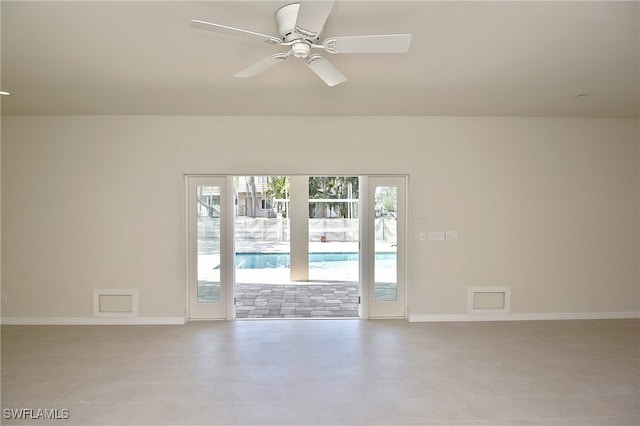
{"x":325,"y":70}
{"x":262,"y":65}
{"x":210,"y":26}
{"x":312,"y":16}
{"x":390,"y":43}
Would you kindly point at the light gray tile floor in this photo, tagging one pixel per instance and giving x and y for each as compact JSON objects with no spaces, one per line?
{"x":320,"y":372}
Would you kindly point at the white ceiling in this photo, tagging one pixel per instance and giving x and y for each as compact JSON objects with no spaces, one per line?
{"x":466,"y":59}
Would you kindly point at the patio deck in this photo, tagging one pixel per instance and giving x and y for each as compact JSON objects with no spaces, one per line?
{"x":298,"y":300}
{"x":308,"y":300}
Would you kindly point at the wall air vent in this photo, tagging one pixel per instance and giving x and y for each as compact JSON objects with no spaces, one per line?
{"x":489,"y":300}
{"x":115,"y":303}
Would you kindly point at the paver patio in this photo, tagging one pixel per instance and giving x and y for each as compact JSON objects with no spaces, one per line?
{"x":309,"y":300}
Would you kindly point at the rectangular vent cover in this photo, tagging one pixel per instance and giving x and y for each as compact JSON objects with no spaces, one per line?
{"x":489,"y":300}
{"x":115,"y":303}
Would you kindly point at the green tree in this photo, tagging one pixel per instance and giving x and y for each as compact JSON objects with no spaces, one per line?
{"x":386,"y":199}
{"x":278,"y":188}
{"x":332,"y":188}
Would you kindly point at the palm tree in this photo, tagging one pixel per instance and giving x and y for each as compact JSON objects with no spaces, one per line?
{"x":251,"y":183}
{"x":320,"y":187}
{"x":278,"y":189}
{"x":332,"y":187}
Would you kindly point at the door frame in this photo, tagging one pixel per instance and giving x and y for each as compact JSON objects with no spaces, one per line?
{"x":368,"y":304}
{"x":370,"y":307}
{"x":224,"y":308}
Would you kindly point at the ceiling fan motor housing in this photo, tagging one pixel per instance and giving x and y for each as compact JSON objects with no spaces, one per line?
{"x":286,"y":18}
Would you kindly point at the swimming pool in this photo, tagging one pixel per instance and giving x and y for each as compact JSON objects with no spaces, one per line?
{"x":316,"y":260}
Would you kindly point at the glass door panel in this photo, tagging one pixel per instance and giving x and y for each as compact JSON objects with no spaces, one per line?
{"x":208,"y":274}
{"x":386,"y":252}
{"x":208,"y":243}
{"x":385,"y":259}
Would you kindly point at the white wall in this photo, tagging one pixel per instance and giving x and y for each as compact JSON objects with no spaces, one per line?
{"x":549,"y":207}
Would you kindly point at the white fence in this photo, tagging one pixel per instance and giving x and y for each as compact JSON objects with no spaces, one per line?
{"x":277,"y":229}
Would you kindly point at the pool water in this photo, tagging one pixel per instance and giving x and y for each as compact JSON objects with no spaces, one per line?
{"x":316,"y":260}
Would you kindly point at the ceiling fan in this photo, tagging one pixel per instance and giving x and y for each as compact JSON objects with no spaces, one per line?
{"x":300,"y":26}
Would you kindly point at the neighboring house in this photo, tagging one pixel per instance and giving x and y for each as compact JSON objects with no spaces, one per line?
{"x":243,"y":197}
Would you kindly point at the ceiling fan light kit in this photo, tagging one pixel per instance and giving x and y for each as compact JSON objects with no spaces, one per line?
{"x":299,"y":26}
{"x":300,"y":50}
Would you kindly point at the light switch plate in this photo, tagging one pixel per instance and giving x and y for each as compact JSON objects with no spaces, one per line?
{"x":436,"y":236}
{"x":451,"y":235}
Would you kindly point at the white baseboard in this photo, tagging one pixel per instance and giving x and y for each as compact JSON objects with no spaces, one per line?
{"x":93,"y":321}
{"x":524,"y":317}
{"x":411,"y":318}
